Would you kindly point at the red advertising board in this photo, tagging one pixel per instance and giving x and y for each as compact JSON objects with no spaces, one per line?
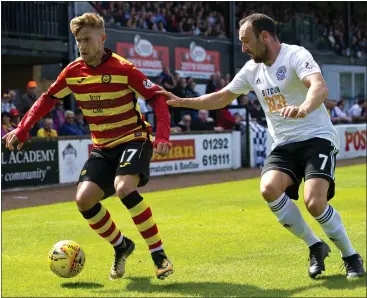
{"x":148,"y":58}
{"x":196,"y":61}
{"x":355,"y":140}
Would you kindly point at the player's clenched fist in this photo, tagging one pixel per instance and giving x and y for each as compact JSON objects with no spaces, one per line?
{"x":10,"y":138}
{"x":161,"y":148}
{"x":293,"y":112}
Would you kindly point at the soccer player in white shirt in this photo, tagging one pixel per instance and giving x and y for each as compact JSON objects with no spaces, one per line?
{"x":291,"y":89}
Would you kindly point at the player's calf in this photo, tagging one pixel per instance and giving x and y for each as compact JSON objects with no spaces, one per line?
{"x":316,"y":192}
{"x":99,"y":219}
{"x":287,"y":213}
{"x":143,"y":218}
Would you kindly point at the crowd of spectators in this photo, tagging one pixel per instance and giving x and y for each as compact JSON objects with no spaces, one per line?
{"x":330,"y":23}
{"x":61,"y":122}
{"x":357,"y":113}
{"x":333,"y":32}
{"x":55,"y":123}
{"x":184,"y":17}
{"x":207,"y":19}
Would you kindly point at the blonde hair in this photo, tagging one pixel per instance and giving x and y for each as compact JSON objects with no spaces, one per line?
{"x":88,"y":19}
{"x":69,"y":113}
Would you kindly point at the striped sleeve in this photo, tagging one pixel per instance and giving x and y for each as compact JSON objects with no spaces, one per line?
{"x":140,"y":84}
{"x":59,"y":89}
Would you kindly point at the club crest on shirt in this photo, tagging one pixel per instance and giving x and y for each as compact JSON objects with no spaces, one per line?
{"x":147,"y":84}
{"x":281,"y":72}
{"x":106,"y":78}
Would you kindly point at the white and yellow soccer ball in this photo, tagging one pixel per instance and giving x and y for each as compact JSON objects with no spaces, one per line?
{"x":66,"y":258}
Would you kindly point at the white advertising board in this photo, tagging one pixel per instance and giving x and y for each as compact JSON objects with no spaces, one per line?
{"x":71,"y":160}
{"x":190,"y":153}
{"x":352,"y":142}
{"x":196,"y":153}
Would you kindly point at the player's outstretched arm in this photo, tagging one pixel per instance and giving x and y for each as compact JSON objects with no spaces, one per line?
{"x":40,"y":108}
{"x":212,"y":101}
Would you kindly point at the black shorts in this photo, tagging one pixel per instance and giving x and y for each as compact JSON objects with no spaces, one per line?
{"x":104,"y":165}
{"x":313,"y":158}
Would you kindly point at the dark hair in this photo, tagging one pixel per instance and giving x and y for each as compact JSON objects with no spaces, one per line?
{"x":340,"y":102}
{"x":361,"y":101}
{"x":261,"y":22}
{"x":46,"y":118}
{"x":78,"y":111}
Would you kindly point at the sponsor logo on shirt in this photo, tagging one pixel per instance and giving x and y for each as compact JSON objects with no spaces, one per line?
{"x":106,"y":78}
{"x":308,"y":66}
{"x":148,"y":84}
{"x":94,"y":98}
{"x":274,"y":98}
{"x":258,"y":81}
{"x":270,"y":91}
{"x":281,"y":72}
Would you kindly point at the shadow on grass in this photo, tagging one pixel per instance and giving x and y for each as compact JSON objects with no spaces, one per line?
{"x":143,"y":285}
{"x":81,"y":285}
{"x":339,"y":281}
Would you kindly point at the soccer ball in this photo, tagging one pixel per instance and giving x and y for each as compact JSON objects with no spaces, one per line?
{"x":66,"y":258}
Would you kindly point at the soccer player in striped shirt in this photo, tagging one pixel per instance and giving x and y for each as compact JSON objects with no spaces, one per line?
{"x":106,"y":87}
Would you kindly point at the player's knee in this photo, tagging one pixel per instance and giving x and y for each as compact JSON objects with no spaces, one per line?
{"x":316,"y":195}
{"x":270,"y":191}
{"x":123,"y":188}
{"x":315,"y":204}
{"x":83,"y":200}
{"x":87,"y":195}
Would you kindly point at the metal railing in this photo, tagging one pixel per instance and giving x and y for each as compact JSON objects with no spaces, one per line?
{"x":35,"y":20}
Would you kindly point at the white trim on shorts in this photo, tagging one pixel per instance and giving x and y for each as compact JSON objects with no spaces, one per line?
{"x":276,"y":167}
{"x":318,"y":173}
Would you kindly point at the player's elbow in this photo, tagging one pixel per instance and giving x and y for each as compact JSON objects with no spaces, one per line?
{"x":325,"y":92}
{"x":222,"y":103}
{"x":223,"y":100}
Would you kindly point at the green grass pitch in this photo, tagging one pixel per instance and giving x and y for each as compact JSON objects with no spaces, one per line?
{"x":222,"y":239}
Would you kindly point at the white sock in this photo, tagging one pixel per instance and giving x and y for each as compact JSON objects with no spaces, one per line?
{"x":119,"y":241}
{"x":291,"y":218}
{"x":160,"y":247}
{"x":331,"y":222}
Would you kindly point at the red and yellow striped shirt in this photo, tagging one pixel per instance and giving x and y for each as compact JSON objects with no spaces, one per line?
{"x":107,"y":95}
